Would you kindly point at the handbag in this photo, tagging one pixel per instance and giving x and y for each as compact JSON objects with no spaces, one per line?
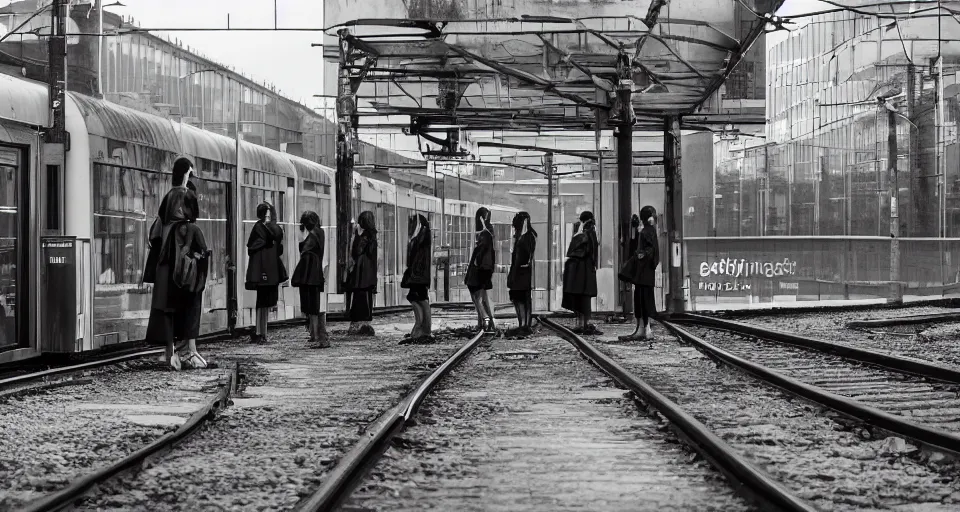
{"x":630,"y":271}
{"x":190,"y":268}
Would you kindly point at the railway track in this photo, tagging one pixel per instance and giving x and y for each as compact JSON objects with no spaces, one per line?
{"x":77,"y":488}
{"x":894,"y":394}
{"x":517,"y":399}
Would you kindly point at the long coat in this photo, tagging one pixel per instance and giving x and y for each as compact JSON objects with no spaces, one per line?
{"x":418,"y":261}
{"x":649,"y":249}
{"x":363,"y":270}
{"x":264,"y":248}
{"x":482,"y":261}
{"x":309,"y":271}
{"x":520,"y":277}
{"x":580,"y":269}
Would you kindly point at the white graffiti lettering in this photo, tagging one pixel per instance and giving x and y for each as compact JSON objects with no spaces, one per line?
{"x":723,"y":287}
{"x":743,"y":268}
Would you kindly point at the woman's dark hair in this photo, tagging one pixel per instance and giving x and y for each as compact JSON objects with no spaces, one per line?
{"x":635,"y":221}
{"x":262,"y":210}
{"x":309,"y":220}
{"x":647,"y":212}
{"x":180,"y":168}
{"x":482,"y":219}
{"x":367,"y":222}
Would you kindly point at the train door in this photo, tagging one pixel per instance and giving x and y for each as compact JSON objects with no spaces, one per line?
{"x":13,"y":253}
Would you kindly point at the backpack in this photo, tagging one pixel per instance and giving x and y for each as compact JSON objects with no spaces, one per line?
{"x":190,"y":268}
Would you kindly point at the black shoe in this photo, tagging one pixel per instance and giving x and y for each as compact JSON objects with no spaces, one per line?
{"x":366,"y":330}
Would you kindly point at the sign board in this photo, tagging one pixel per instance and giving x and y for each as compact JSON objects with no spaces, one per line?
{"x":58,"y":294}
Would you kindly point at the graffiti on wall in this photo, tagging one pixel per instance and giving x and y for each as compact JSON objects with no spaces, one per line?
{"x":737,"y":268}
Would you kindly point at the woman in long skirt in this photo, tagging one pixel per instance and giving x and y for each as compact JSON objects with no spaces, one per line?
{"x":308,"y":277}
{"x":416,"y":277}
{"x":580,"y":274}
{"x":265,"y":270}
{"x":174,"y":311}
{"x":648,"y":252}
{"x":362,"y":275}
{"x":520,"y":278}
{"x":479,"y":276}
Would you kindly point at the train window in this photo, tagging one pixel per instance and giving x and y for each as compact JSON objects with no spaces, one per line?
{"x":53,"y":198}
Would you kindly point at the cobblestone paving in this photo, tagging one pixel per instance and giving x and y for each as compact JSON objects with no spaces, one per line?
{"x":933,"y":342}
{"x":543,"y":431}
{"x":50,"y":438}
{"x":300,"y":411}
{"x":797,"y":442}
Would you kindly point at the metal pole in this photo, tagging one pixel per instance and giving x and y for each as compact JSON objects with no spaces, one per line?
{"x":346,"y":126}
{"x":672,"y":171}
{"x":100,"y":49}
{"x":548,"y":168}
{"x":625,"y":202}
{"x":896,"y":293}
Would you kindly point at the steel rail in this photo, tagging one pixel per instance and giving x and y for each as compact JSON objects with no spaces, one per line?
{"x":756,"y":483}
{"x":355,"y":464}
{"x":22,"y":379}
{"x":921,"y":434}
{"x":76,"y":489}
{"x":933,"y":318}
{"x":901,"y":364}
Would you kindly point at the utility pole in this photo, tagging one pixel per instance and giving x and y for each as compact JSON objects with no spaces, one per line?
{"x":624,"y":174}
{"x":347,"y":121}
{"x":548,"y":167}
{"x":896,"y":292}
{"x":57,"y":72}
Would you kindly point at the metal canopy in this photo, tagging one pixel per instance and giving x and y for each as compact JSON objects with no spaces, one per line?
{"x":540,"y":70}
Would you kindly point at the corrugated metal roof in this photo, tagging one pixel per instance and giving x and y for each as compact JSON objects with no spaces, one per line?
{"x":260,"y":158}
{"x":126,"y":124}
{"x":312,"y":171}
{"x":24,"y":101}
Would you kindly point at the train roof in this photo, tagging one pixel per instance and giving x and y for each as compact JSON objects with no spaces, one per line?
{"x":24,"y":101}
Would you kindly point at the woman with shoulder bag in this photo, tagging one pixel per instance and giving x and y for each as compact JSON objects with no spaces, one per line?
{"x":362,"y":275}
{"x":265,"y":269}
{"x":647,"y":253}
{"x":308,"y":277}
{"x":580,"y":274}
{"x":520,"y":278}
{"x":416,"y":278}
{"x":176,"y":304}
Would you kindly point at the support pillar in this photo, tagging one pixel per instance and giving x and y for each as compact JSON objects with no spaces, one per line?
{"x":673,"y":177}
{"x":548,"y":169}
{"x":347,"y":122}
{"x":896,"y":291}
{"x":624,"y":175}
{"x":624,"y":206}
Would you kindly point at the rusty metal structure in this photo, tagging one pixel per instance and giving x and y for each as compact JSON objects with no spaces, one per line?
{"x":587,"y":68}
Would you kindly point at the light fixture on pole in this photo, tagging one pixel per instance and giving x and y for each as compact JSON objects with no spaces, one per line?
{"x":100,"y":43}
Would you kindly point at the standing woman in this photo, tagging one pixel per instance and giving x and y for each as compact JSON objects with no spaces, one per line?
{"x":176,"y":304}
{"x":648,"y":252}
{"x":265,"y":270}
{"x":362,"y":275}
{"x":520,"y":278}
{"x":308,"y":276}
{"x":416,"y":277}
{"x":479,"y":277}
{"x":580,"y":274}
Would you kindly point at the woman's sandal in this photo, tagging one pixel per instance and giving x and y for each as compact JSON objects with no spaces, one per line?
{"x":195,"y":361}
{"x":175,"y":361}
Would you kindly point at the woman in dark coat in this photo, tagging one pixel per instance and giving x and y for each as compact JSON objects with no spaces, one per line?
{"x":362,"y":275}
{"x":265,"y":269}
{"x":175,"y":311}
{"x":308,"y":276}
{"x":479,"y":276}
{"x":520,"y":278}
{"x":416,"y":277}
{"x":580,"y":274}
{"x":648,"y":252}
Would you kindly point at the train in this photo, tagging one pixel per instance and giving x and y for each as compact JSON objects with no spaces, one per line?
{"x":74,"y":239}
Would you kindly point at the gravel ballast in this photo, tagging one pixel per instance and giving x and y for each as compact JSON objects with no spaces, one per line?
{"x":821,"y":460}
